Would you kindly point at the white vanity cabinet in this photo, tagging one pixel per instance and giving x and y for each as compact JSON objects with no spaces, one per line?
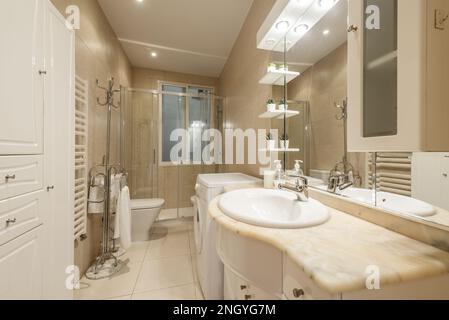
{"x":36,"y":150}
{"x":397,"y":75}
{"x":430,"y":178}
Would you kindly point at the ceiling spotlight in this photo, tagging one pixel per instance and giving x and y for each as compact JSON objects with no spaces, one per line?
{"x":302,"y":28}
{"x":326,"y":3}
{"x":326,"y":32}
{"x":282,"y":26}
{"x":154,"y":54}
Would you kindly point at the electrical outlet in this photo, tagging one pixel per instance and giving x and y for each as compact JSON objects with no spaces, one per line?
{"x":440,"y":19}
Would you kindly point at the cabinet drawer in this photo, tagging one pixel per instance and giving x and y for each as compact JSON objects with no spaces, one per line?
{"x":20,"y":175}
{"x":20,"y":214}
{"x":297,"y":286}
{"x":21,"y":272}
{"x":236,"y":288}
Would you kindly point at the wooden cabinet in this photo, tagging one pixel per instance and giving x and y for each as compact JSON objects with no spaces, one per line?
{"x":430,"y":178}
{"x":36,"y":150}
{"x":22,"y":65}
{"x":21,"y":214}
{"x":21,"y":267}
{"x":237,"y":288}
{"x":397,"y":76}
{"x":20,"y":175}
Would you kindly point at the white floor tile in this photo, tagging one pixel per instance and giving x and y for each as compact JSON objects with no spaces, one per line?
{"x":178,"y":293}
{"x":122,"y":298}
{"x":136,"y":253}
{"x":198,"y":292}
{"x":172,"y":226}
{"x":164,"y":273}
{"x":121,"y":284}
{"x":171,"y":245}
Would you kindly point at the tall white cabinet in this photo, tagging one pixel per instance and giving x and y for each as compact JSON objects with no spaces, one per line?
{"x":36,"y":150}
{"x":398,"y":72}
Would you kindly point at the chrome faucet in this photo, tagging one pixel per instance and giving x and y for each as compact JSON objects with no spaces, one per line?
{"x":340,"y":182}
{"x":300,"y":188}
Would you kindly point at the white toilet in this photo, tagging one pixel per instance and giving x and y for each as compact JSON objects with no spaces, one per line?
{"x":144,"y":213}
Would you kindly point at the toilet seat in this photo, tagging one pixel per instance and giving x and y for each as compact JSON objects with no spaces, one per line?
{"x":142,"y":204}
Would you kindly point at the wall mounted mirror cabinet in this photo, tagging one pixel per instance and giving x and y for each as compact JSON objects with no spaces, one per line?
{"x":397,"y":75}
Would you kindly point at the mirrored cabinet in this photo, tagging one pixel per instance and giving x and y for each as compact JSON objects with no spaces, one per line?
{"x":397,"y":70}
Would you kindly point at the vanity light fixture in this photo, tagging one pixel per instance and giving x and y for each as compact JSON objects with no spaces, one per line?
{"x":302,"y":28}
{"x":291,"y":20}
{"x":282,"y":26}
{"x":326,"y":3}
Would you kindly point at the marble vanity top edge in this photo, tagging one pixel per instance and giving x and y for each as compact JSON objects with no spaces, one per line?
{"x":325,"y":261}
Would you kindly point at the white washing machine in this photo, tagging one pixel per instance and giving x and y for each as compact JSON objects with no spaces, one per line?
{"x":209,"y":265}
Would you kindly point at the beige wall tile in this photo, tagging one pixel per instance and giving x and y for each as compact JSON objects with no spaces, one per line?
{"x":99,"y":55}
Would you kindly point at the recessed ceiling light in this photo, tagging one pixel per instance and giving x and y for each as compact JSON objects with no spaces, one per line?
{"x":154,"y":54}
{"x":326,"y":32}
{"x":301,"y":28}
{"x":139,"y":0}
{"x":282,"y":26}
{"x":326,"y":3}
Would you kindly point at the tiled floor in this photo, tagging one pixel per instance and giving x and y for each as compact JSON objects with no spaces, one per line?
{"x":161,"y":269}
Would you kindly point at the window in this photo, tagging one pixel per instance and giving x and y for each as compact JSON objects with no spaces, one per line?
{"x":185,"y":107}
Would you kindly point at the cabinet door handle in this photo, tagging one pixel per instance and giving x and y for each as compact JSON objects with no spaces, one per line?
{"x":445,"y":175}
{"x":353,"y":28}
{"x":243,"y":288}
{"x":11,"y":221}
{"x":298,"y":293}
{"x":41,"y":72}
{"x":50,"y":188}
{"x":248,"y":297}
{"x":10,"y":177}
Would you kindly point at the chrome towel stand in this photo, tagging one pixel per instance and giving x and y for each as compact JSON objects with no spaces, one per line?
{"x":107,"y":264}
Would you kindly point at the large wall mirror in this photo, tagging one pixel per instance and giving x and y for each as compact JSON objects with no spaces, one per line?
{"x":310,"y":61}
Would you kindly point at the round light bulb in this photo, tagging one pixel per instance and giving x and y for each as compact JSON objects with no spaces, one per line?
{"x":282,"y":26}
{"x":302,"y":28}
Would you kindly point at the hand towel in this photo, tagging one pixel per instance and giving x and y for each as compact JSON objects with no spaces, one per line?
{"x":123,"y":219}
{"x":96,"y":196}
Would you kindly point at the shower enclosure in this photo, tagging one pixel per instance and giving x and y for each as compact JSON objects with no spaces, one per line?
{"x":149,"y":118}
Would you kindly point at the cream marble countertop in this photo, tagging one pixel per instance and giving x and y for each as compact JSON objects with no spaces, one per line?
{"x":336,"y":255}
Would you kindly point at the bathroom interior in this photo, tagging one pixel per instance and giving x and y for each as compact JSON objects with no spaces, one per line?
{"x":100,"y":198}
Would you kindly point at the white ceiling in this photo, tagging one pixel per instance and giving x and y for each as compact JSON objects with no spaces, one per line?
{"x":189,"y":36}
{"x":314,"y":46}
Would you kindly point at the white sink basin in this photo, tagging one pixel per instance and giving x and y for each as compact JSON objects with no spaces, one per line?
{"x":272,"y":209}
{"x":389,"y":201}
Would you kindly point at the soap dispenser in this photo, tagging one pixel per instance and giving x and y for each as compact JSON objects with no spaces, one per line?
{"x":297,"y":170}
{"x":278,"y":179}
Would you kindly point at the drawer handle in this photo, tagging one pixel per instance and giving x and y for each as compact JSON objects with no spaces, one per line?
{"x":248,"y":297}
{"x":10,"y":177}
{"x":298,"y":293}
{"x":445,"y":175}
{"x":243,"y":288}
{"x":11,"y":221}
{"x":353,"y":28}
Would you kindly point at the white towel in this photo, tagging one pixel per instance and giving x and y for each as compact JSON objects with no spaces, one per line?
{"x":123,"y":219}
{"x":97,"y":195}
{"x":115,"y":191}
